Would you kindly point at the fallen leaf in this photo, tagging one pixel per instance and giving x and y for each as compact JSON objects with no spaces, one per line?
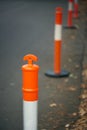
{"x":77,"y":66}
{"x":67,"y":125}
{"x":84,"y":73}
{"x":83,"y":96}
{"x":74,"y":114}
{"x":53,"y":105}
{"x":72,"y":88}
{"x":83,"y":85}
{"x":82,"y":112}
{"x":71,"y":75}
{"x":66,"y":80}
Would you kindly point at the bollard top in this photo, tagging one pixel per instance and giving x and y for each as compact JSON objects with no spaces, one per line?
{"x":30,"y":58}
{"x":59,"y":10}
{"x":58,"y":16}
{"x":70,"y":0}
{"x":30,"y":66}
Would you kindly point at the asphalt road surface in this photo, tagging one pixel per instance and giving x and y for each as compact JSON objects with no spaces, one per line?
{"x":28,"y":27}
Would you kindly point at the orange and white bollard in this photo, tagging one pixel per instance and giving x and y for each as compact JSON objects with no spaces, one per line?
{"x":70,"y":16}
{"x":75,"y":15}
{"x":30,"y":93}
{"x":57,"y":47}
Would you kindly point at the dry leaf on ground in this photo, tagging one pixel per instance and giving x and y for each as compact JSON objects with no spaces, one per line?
{"x":72,"y":88}
{"x":53,"y":105}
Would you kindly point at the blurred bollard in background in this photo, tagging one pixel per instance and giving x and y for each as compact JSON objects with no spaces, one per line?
{"x":70,"y":16}
{"x":57,"y":72}
{"x":75,"y":15}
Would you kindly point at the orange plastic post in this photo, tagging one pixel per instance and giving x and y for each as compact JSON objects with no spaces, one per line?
{"x":70,"y":11}
{"x":58,"y":41}
{"x":75,"y":9}
{"x":70,"y":16}
{"x":57,"y":72}
{"x":30,"y":93}
{"x":30,"y":79}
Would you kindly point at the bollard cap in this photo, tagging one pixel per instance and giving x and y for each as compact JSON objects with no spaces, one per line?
{"x":30,"y":78}
{"x":30,"y":66}
{"x":58,"y":17}
{"x":59,"y":9}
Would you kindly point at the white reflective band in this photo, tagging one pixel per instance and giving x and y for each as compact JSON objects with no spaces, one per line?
{"x":70,"y":6}
{"x":58,"y":32}
{"x":30,"y":115}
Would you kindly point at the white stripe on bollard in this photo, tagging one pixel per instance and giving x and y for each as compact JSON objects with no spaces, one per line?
{"x":58,"y":32}
{"x":70,"y":6}
{"x":30,"y":115}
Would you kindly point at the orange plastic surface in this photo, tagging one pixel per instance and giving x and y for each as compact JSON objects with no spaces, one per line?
{"x":30,"y":79}
{"x":58,"y":17}
{"x":69,"y":18}
{"x":57,"y":57}
{"x":70,"y":0}
{"x":76,"y":10}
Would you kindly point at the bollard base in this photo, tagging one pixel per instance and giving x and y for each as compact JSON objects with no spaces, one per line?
{"x":69,"y":27}
{"x":55,"y":75}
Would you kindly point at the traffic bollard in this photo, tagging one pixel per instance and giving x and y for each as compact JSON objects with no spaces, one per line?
{"x":57,"y":47}
{"x":70,"y":16}
{"x":30,"y":93}
{"x":75,"y":15}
